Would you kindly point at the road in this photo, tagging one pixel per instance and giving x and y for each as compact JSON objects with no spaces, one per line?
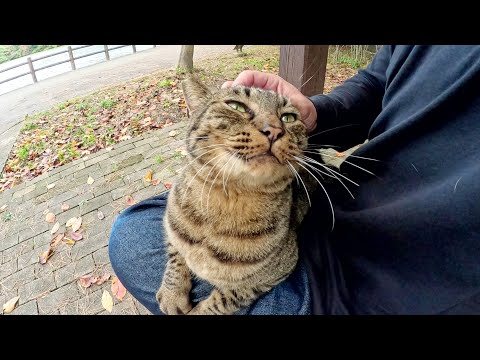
{"x":41,"y":96}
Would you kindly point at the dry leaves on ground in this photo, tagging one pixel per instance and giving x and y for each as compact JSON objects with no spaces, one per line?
{"x":130,"y":200}
{"x":10,"y":305}
{"x":55,"y":228}
{"x":107,"y":301}
{"x":118,"y":290}
{"x":88,"y":280}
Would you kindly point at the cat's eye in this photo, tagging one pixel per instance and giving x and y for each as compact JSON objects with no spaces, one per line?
{"x":237,"y":106}
{"x":288,"y":118}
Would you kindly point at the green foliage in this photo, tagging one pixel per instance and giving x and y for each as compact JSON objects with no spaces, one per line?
{"x":11,"y":52}
{"x":107,"y":104}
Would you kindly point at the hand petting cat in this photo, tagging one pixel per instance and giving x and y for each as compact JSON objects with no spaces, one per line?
{"x":275,"y":83}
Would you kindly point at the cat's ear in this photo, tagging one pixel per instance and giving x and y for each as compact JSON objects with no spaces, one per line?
{"x":196,"y":93}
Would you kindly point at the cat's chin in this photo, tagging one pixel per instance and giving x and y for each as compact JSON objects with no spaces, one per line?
{"x":264,"y":159}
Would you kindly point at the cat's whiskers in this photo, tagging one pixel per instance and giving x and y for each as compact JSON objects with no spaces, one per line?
{"x":327,"y":168}
{"x":224,"y":171}
{"x":289,"y":166}
{"x":317,"y":170}
{"x":349,"y":162}
{"x":215,"y":178}
{"x":308,"y":163}
{"x":299,"y":177}
{"x":196,"y":174}
{"x":324,"y":190}
{"x":206,"y":179}
{"x":335,"y":128}
{"x":231,"y":170}
{"x":320,"y":146}
{"x":197,"y":157}
{"x":354,"y":156}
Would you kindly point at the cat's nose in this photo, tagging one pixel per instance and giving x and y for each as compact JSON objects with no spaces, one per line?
{"x":273,"y":133}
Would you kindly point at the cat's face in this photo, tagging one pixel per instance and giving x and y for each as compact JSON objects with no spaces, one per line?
{"x":248,"y":134}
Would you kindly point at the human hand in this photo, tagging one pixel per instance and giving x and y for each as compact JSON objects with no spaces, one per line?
{"x":276,"y":83}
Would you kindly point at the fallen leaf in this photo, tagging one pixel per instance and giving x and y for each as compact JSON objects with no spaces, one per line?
{"x":2,"y":209}
{"x":102,"y":279}
{"x":90,"y":180}
{"x":56,"y":240}
{"x":65,"y":207}
{"x":130,"y":200}
{"x":76,"y":225}
{"x":71,"y":221}
{"x":173,"y":133}
{"x":69,"y":242}
{"x":167,"y":185}
{"x":118,"y":290}
{"x":45,"y":212}
{"x":10,"y":305}
{"x":86,"y":281}
{"x":148,"y":176}
{"x":50,"y":218}
{"x":55,"y":228}
{"x":100,"y":215}
{"x":155,"y":182}
{"x":76,"y":236}
{"x":50,"y":186}
{"x":43,"y":258}
{"x":107,"y":301}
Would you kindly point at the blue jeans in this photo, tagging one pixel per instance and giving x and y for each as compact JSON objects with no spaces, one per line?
{"x":137,"y":253}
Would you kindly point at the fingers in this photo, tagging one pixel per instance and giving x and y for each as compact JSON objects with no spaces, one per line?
{"x":227,"y":84}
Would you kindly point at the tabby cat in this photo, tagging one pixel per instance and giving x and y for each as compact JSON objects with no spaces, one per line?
{"x":231,"y":216}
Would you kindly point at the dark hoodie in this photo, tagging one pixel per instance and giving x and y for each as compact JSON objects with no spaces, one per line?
{"x":409,"y":243}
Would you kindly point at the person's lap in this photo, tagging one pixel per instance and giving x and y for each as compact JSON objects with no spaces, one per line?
{"x":136,"y":250}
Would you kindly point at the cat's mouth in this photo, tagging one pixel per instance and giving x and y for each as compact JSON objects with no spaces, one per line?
{"x":266,"y":156}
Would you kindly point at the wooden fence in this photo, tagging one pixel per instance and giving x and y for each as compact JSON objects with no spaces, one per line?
{"x":71,"y":59}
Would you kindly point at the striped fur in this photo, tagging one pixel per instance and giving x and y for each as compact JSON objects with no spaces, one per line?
{"x":231,"y":216}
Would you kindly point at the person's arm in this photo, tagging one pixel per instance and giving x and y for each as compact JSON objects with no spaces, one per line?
{"x":345,"y":115}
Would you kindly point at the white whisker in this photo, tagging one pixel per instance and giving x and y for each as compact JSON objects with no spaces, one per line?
{"x":306,"y":191}
{"x":334,"y":176}
{"x":325,"y":191}
{"x":349,"y":162}
{"x":194,"y":176}
{"x":335,"y":128}
{"x":206,"y":179}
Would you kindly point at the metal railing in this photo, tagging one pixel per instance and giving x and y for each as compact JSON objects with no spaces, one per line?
{"x":72,"y":58}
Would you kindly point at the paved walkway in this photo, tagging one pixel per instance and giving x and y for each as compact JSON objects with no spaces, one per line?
{"x":53,"y":288}
{"x":46,"y":93}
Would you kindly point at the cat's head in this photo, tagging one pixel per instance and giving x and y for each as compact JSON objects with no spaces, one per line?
{"x":250,"y":135}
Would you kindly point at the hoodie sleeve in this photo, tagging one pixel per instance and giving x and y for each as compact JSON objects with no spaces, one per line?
{"x":345,"y":115}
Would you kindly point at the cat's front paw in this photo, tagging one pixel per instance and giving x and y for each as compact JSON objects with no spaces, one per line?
{"x":173,"y":302}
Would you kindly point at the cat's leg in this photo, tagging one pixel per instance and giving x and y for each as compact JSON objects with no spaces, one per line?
{"x":174,"y":293}
{"x":226,"y":302}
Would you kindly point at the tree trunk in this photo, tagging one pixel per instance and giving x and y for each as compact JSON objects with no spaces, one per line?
{"x":304,"y":67}
{"x":185,"y":62}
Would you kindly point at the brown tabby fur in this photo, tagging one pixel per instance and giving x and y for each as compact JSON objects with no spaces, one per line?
{"x":232,"y":215}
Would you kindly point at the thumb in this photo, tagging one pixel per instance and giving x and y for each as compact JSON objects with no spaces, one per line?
{"x":227,"y":84}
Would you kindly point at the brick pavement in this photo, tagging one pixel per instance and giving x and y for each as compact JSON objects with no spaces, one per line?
{"x":24,"y":234}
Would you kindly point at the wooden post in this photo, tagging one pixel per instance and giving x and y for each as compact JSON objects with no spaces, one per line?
{"x":134,"y":49}
{"x":106,"y":52}
{"x":72,"y":59}
{"x":304,"y":66}
{"x":32,"y":70}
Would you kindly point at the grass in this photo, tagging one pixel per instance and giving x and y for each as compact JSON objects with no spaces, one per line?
{"x":107,"y":104}
{"x":28,"y":127}
{"x":82,"y":126}
{"x":159,"y":159}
